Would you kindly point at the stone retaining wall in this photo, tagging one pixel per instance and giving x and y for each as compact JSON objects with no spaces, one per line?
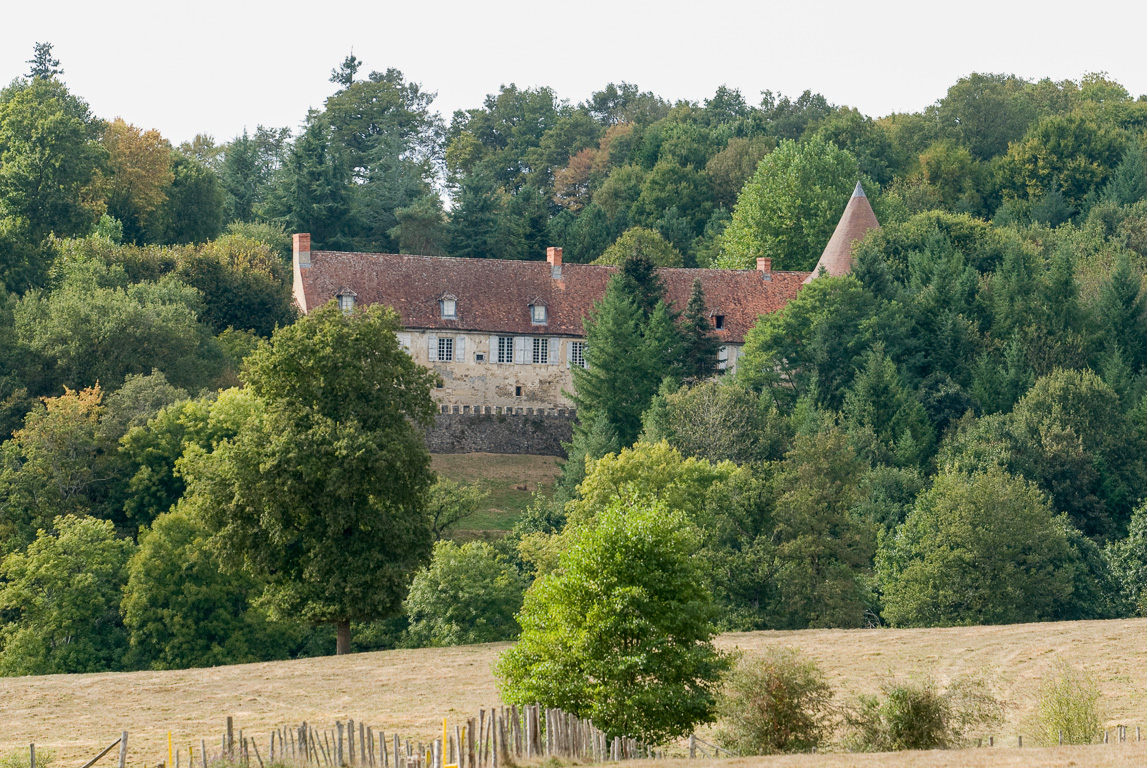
{"x":476,"y":429}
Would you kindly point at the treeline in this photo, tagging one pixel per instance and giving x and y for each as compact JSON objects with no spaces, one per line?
{"x":952,"y":434}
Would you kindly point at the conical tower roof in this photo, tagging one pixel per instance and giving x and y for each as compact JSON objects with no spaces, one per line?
{"x":858,"y":218}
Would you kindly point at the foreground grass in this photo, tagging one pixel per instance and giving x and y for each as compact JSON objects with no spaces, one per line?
{"x":410,"y":691}
{"x":510,"y":480}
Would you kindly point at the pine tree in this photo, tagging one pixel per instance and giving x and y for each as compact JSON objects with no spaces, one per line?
{"x":474,"y":222}
{"x":1121,"y":309}
{"x":639,"y":280}
{"x":879,"y":402}
{"x":1128,"y":184}
{"x":313,"y":196}
{"x":240,"y":177}
{"x":43,"y":64}
{"x":623,"y":375}
{"x":699,"y":345}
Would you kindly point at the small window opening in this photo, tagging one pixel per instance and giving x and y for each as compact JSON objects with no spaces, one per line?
{"x":719,"y":322}
{"x":449,"y":308}
{"x":538,"y":313}
{"x":518,"y":391}
{"x":480,"y":357}
{"x":439,"y":384}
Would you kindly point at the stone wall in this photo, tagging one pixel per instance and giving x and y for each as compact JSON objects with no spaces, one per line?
{"x":539,"y":432}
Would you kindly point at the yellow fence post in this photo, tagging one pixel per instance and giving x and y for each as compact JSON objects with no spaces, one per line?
{"x":446,"y":749}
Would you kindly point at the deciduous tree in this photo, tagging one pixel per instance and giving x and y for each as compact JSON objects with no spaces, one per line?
{"x":621,"y":633}
{"x":323,"y":497}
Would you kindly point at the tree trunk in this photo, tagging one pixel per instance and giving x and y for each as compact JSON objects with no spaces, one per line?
{"x":343,"y":645}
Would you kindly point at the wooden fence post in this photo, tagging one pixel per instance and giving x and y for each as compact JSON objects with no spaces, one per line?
{"x":692,"y":746}
{"x":32,"y":755}
{"x":123,"y":750}
{"x":230,"y":750}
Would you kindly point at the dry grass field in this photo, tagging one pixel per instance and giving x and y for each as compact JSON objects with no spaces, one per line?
{"x":410,"y":691}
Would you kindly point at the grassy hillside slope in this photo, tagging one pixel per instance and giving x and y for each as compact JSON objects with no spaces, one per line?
{"x":411,"y":690}
{"x":511,"y":480}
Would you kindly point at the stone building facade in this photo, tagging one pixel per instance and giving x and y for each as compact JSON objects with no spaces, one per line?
{"x":504,"y":336}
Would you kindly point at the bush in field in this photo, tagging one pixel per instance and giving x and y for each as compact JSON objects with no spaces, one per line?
{"x":22,"y":758}
{"x":919,"y":715}
{"x":777,"y":702}
{"x":1069,"y":705}
{"x":467,"y":595}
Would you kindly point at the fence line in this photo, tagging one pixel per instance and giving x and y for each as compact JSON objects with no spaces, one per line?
{"x":494,"y":738}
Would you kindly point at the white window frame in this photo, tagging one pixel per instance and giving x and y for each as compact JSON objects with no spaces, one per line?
{"x":346,"y":303}
{"x":540,"y":351}
{"x":445,"y":349}
{"x":449,"y":309}
{"x":576,"y":355}
{"x":505,"y":351}
{"x":538,"y":314}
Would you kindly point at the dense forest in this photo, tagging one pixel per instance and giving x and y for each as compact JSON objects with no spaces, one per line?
{"x":955,"y":433}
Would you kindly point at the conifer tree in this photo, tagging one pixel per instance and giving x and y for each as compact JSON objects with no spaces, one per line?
{"x":314,"y":194}
{"x":639,"y":280}
{"x":474,"y":222}
{"x":44,"y":65}
{"x":623,"y":375}
{"x":699,"y":345}
{"x":1121,"y":309}
{"x":878,"y":401}
{"x":1128,"y":183}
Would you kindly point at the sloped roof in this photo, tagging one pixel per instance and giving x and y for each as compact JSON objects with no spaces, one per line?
{"x":854,"y":224}
{"x":494,"y":295}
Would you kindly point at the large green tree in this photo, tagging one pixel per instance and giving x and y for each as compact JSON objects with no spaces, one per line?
{"x":628,"y":354}
{"x":97,"y":326}
{"x":323,"y":496}
{"x":621,"y":632}
{"x":49,"y":156}
{"x":467,"y":595}
{"x":182,"y":610}
{"x":790,"y":207}
{"x":59,"y":600}
{"x":983,"y":548}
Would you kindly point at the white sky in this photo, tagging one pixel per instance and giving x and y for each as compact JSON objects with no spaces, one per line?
{"x":211,"y":66}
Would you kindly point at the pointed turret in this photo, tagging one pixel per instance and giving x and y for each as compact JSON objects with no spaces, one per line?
{"x":858,"y":218}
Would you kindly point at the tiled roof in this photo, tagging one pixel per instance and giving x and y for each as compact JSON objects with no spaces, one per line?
{"x":494,"y":295}
{"x":858,"y":218}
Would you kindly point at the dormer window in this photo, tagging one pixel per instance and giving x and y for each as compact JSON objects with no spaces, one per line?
{"x":346,"y":300}
{"x":449,"y":307}
{"x":719,"y":322}
{"x":538,"y":314}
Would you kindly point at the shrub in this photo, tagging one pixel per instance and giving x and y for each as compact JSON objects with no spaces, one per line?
{"x":918,"y":715}
{"x":1068,"y":704}
{"x":778,"y":702}
{"x":21,"y":758}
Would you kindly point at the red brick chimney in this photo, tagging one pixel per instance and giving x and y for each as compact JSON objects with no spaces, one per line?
{"x":554,"y":258}
{"x":764,"y":264}
{"x":302,"y":243}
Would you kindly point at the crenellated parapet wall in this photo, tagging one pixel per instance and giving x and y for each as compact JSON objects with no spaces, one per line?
{"x":495,"y":429}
